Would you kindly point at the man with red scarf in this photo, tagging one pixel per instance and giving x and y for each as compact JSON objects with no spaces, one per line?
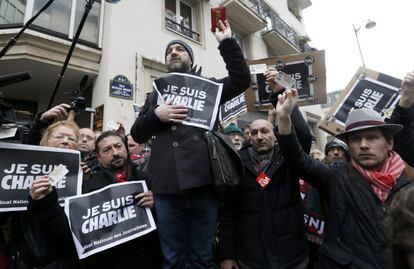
{"x":358,"y":192}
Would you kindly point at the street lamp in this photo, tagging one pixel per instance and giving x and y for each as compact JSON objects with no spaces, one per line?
{"x":370,"y":24}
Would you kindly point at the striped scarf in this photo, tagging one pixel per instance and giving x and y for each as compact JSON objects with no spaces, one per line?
{"x":383,"y":179}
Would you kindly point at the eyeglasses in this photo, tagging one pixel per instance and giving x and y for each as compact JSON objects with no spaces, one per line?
{"x":60,"y":136}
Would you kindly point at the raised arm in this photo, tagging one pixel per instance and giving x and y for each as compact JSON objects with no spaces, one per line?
{"x":43,"y":120}
{"x":404,"y":114}
{"x":238,"y":79}
{"x":317,"y":173}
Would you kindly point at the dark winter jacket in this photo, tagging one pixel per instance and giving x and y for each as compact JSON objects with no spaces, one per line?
{"x":404,"y":140}
{"x":356,"y":235}
{"x":179,"y":159}
{"x":264,"y":228}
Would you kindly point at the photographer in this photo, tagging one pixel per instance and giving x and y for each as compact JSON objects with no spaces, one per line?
{"x":45,"y":119}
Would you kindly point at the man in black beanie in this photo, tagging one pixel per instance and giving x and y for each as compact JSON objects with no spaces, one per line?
{"x":182,"y":60}
{"x":181,"y":176}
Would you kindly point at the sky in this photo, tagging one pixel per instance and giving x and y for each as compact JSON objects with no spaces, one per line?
{"x":387,"y":48}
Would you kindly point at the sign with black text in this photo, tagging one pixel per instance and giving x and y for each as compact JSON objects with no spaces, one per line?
{"x":21,"y":164}
{"x":306,"y":69}
{"x":233,"y":107}
{"x":368,"y":89}
{"x":199,"y":95}
{"x":108,"y":217}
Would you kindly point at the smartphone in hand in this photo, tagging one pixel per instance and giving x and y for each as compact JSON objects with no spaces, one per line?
{"x":217,"y":13}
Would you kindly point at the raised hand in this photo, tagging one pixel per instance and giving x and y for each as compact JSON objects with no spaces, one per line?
{"x":56,"y":113}
{"x":223,"y":32}
{"x":286,"y":103}
{"x":407,"y":91}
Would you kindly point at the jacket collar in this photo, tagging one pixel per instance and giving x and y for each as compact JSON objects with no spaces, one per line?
{"x":277,"y":161}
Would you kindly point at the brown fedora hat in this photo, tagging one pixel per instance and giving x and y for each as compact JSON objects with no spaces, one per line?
{"x":366,"y":118}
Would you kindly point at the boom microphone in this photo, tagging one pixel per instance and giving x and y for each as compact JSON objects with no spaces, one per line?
{"x":14,"y":78}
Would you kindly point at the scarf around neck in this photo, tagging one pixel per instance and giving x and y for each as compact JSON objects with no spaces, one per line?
{"x":383,"y":179}
{"x":260,"y":161}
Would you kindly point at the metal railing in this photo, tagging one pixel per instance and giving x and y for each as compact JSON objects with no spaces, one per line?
{"x":170,"y":24}
{"x":260,"y":8}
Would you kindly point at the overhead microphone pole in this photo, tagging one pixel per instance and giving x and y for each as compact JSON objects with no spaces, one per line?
{"x":88,"y":7}
{"x":13,"y":40}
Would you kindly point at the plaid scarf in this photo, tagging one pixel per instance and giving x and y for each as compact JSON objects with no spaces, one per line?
{"x":260,"y":161}
{"x":383,"y":179}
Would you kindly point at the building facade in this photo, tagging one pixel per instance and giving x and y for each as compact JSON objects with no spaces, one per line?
{"x":123,"y":45}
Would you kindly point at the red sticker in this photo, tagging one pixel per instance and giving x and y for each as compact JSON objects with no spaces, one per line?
{"x":263,"y":180}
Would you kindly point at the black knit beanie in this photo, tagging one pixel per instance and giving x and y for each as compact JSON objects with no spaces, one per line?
{"x":185,"y":45}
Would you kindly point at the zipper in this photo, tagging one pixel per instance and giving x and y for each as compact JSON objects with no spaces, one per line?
{"x":215,"y":156}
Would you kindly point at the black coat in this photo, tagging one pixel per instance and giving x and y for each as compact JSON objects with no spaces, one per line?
{"x":264,"y":228}
{"x":179,"y":154}
{"x":143,"y":251}
{"x":404,"y":140}
{"x":355,"y":236}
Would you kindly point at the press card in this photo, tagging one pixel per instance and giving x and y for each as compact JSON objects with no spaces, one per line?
{"x":284,"y":80}
{"x":57,"y":174}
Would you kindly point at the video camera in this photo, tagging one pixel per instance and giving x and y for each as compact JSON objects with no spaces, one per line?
{"x":7,"y":114}
{"x":78,"y":102}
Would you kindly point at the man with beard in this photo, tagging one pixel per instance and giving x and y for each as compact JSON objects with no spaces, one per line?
{"x":43,"y":206}
{"x":246,"y":134}
{"x":336,"y":150}
{"x":185,"y":200}
{"x":358,"y":192}
{"x":235,"y":134}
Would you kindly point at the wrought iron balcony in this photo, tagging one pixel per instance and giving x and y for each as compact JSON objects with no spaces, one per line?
{"x":245,"y":15}
{"x":170,"y":24}
{"x":274,"y":22}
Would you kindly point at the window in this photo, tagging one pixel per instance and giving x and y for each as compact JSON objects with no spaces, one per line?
{"x":90,"y":30}
{"x":294,"y":9}
{"x":12,"y":11}
{"x":179,"y":16}
{"x":56,"y":17}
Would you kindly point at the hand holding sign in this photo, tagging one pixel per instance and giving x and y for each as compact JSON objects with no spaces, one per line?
{"x":407,"y":91}
{"x":223,"y":32}
{"x":40,"y":188}
{"x":171,"y":113}
{"x":145,"y":199}
{"x":270,"y":76}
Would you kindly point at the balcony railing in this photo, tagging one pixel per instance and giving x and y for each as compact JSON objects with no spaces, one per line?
{"x":170,"y":24}
{"x":275,"y":22}
{"x":254,"y":6}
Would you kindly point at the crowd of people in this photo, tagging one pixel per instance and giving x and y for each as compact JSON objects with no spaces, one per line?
{"x":350,"y":206}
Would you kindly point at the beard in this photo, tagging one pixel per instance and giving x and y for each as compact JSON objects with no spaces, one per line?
{"x":118,"y":163}
{"x":179,"y":66}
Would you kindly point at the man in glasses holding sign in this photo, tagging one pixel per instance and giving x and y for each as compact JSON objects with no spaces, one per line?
{"x":182,"y":107}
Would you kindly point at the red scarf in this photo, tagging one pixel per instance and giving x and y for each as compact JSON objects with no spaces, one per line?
{"x":383,"y":179}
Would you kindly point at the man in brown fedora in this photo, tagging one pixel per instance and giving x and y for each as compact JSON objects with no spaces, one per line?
{"x":358,"y":192}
